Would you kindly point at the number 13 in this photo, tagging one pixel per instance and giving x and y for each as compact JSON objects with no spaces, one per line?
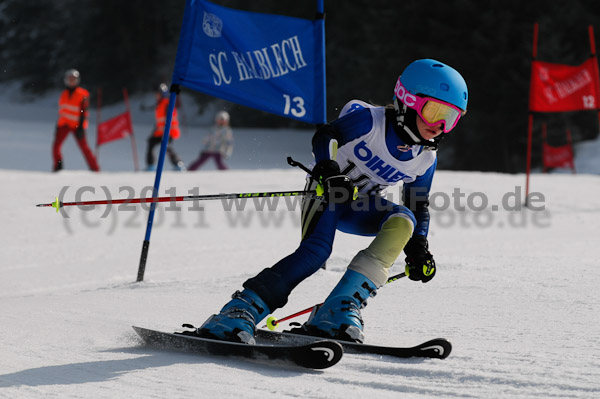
{"x":297,"y":109}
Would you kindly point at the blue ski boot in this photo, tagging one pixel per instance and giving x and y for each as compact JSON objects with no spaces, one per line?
{"x":237,"y":320}
{"x":339,"y":316}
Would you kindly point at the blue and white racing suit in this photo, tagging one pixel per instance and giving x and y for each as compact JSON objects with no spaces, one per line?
{"x":369,"y":151}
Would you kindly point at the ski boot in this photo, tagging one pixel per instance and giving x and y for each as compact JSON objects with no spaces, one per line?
{"x":339,"y":316}
{"x":237,"y":320}
{"x":58,"y":166}
{"x":151,"y":168}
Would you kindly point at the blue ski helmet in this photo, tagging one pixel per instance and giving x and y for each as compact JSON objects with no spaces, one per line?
{"x":435,"y":79}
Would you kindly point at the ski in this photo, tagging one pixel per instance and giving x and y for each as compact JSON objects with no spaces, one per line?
{"x":438,"y":348}
{"x":316,"y":354}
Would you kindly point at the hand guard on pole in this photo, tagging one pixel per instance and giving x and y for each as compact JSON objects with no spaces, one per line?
{"x":420,"y":265}
{"x":337,"y":187}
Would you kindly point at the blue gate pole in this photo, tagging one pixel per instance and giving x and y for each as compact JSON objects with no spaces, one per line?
{"x":159,"y":167}
{"x":321,"y":15}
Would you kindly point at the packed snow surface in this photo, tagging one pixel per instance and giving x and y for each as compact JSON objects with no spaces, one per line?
{"x":516,"y":290}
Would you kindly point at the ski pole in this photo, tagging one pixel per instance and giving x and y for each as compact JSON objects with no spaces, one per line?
{"x":272,"y":322}
{"x":59,"y":204}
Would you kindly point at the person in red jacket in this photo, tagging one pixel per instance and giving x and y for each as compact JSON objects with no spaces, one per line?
{"x":73,"y":117}
{"x":160,"y":114}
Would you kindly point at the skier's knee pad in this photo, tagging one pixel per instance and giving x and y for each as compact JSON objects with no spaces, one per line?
{"x":375,"y":261}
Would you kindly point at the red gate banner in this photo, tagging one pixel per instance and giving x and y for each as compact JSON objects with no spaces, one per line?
{"x":114,"y":129}
{"x":558,"y":157}
{"x":561,"y":88}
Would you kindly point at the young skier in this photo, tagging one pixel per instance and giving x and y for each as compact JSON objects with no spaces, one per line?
{"x":368,"y":148}
{"x":218,"y":144}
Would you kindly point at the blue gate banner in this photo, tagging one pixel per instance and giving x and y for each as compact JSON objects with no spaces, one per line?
{"x":269,"y":62}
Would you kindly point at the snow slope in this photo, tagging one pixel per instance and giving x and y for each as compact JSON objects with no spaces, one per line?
{"x":517,"y":298}
{"x":516,"y":291}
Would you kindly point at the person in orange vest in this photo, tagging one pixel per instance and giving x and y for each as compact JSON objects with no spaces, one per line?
{"x":73,"y":117}
{"x":160,"y":114}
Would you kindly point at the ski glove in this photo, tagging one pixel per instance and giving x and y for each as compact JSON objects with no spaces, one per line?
{"x":337,"y":188}
{"x":420,"y":265}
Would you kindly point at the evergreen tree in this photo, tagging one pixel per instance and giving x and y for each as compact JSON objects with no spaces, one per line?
{"x":132,"y":44}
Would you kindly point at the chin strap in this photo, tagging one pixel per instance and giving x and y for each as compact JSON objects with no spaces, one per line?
{"x":407,"y":134}
{"x":435,"y":143}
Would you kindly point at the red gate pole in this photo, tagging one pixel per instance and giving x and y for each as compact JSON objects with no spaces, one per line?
{"x":596,"y":73}
{"x":570,"y":143}
{"x":544,"y":142}
{"x":132,"y":136}
{"x":530,"y":124}
{"x":98,"y":107}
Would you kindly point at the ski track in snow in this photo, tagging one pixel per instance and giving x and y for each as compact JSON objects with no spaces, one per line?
{"x":519,"y":305}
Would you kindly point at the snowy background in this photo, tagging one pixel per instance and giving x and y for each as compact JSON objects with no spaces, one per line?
{"x":516,"y":291}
